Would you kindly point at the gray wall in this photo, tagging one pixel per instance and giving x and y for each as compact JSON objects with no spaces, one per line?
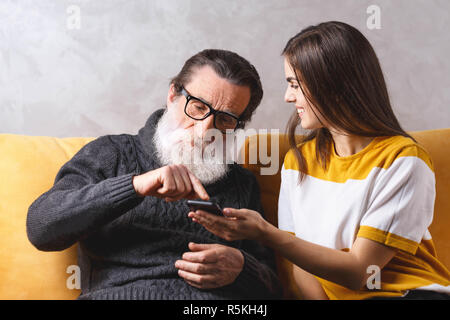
{"x":109,"y":74}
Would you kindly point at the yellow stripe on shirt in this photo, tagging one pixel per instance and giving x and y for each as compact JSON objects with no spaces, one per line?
{"x":359,"y":165}
{"x":388,"y":239}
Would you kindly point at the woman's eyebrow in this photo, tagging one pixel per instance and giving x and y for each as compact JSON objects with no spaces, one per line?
{"x":290,"y":79}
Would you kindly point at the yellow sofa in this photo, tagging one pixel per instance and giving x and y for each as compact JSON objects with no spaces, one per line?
{"x":28,"y":166}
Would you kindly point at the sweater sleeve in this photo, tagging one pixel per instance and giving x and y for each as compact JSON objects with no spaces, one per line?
{"x":258,"y":277}
{"x":86,"y":195}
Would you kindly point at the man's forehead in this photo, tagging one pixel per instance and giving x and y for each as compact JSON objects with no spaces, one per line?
{"x":216,"y":91}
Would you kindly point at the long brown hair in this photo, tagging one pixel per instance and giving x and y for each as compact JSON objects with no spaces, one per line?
{"x":340,"y":75}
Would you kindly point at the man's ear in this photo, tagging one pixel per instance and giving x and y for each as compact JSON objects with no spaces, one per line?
{"x":171,"y":95}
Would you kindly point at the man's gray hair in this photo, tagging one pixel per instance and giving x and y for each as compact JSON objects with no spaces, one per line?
{"x":230,"y":66}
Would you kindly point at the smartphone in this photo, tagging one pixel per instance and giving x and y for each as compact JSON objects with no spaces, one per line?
{"x":208,"y":206}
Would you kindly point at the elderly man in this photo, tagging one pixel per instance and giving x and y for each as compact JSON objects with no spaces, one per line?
{"x":123,"y":197}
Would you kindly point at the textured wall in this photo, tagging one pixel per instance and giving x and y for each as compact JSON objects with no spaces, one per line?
{"x":108,"y":73}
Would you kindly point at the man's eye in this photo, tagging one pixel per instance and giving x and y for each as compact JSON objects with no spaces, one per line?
{"x":200,"y":107}
{"x":226,"y":120}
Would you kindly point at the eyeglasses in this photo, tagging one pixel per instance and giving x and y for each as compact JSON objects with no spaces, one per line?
{"x":198,"y":109}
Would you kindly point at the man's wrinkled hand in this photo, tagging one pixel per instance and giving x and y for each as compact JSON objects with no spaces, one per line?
{"x":172,"y":183}
{"x":209,"y":266}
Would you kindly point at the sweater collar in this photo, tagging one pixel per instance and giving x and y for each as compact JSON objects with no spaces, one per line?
{"x":146,"y":134}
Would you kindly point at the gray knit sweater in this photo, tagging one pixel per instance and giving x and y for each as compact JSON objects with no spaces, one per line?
{"x":128,"y":244}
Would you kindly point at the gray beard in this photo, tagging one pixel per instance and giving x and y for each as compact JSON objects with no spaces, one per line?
{"x":177,"y":146}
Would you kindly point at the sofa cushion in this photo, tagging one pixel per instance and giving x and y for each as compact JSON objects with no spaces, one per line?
{"x":28,"y":166}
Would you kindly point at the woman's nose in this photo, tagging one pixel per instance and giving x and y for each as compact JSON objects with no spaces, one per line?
{"x":289,"y":96}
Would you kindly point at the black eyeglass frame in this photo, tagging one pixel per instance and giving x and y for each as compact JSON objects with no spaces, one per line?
{"x":212,"y":111}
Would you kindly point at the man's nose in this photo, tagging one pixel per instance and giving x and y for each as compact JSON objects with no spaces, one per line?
{"x":202,"y":126}
{"x":208,"y":123}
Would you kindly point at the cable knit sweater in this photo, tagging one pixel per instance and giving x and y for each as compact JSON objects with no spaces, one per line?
{"x":128,"y":244}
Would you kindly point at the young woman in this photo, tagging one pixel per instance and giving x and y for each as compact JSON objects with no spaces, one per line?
{"x":357,"y":195}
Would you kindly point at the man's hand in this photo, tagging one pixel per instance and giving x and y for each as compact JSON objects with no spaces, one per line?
{"x":172,"y":183}
{"x":209,"y":266}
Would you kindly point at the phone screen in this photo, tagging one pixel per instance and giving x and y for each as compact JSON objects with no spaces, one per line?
{"x":208,"y":206}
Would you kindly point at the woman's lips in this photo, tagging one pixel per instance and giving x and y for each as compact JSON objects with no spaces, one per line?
{"x":300,"y":111}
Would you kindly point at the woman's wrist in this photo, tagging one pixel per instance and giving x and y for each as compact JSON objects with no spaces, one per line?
{"x":267,"y":234}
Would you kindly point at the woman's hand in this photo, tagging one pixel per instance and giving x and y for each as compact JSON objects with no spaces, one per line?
{"x":236,"y":224}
